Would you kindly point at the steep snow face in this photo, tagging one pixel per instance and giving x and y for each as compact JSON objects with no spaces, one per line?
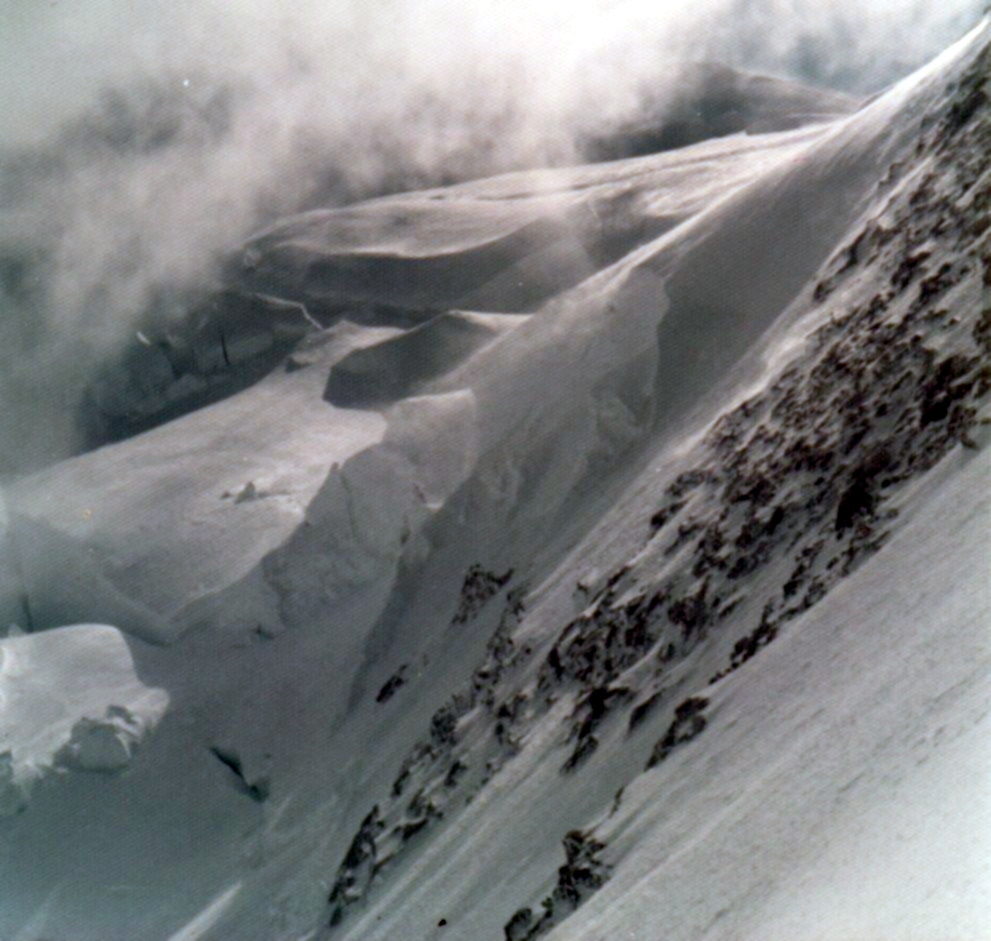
{"x":872,"y":381}
{"x":792,"y":488}
{"x":592,"y":562}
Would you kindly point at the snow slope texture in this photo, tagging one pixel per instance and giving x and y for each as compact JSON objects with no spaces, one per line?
{"x":654,"y":603}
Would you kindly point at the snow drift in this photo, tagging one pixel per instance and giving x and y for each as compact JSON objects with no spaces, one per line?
{"x":71,"y":701}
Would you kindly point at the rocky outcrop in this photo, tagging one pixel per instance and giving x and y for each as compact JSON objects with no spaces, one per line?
{"x":582,"y":874}
{"x":478,"y":587}
{"x":468,"y":740}
{"x":357,"y":868}
{"x":689,"y":722}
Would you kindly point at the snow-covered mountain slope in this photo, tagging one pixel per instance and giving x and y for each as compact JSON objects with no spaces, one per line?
{"x":506,"y":244}
{"x":609,"y":560}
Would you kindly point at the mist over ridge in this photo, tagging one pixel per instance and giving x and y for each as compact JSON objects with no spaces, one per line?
{"x":142,"y":145}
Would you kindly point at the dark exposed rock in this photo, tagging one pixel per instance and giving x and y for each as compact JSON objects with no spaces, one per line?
{"x":692,"y":612}
{"x":436,"y":769}
{"x":392,"y":685}
{"x":408,"y":830}
{"x":583,"y":749}
{"x":932,"y":287}
{"x":642,"y":710}
{"x":258,"y":790}
{"x":590,"y":711}
{"x":982,"y":331}
{"x":520,"y":926}
{"x":761,"y":636}
{"x":582,"y":874}
{"x":664,"y":515}
{"x":964,"y":109}
{"x":443,"y":726}
{"x":507,"y":716}
{"x":479,"y":586}
{"x":858,"y":500}
{"x":357,"y":868}
{"x":455,"y":774}
{"x":947,"y":385}
{"x":907,"y":269}
{"x":689,"y":722}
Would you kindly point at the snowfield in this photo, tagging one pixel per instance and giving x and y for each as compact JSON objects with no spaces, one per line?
{"x":585,"y":553}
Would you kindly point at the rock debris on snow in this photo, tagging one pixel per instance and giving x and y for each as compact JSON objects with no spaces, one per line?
{"x":641,"y":502}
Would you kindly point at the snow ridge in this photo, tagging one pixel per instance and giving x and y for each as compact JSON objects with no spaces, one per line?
{"x":787,"y":495}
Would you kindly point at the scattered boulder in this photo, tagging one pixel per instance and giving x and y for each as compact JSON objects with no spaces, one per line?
{"x":103,"y":745}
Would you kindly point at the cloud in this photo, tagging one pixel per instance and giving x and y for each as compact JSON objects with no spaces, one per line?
{"x":143,"y":140}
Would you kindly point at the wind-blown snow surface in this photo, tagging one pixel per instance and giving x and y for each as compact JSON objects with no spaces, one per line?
{"x":609,"y":561}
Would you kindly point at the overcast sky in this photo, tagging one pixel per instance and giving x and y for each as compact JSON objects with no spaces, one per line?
{"x":57,"y":53}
